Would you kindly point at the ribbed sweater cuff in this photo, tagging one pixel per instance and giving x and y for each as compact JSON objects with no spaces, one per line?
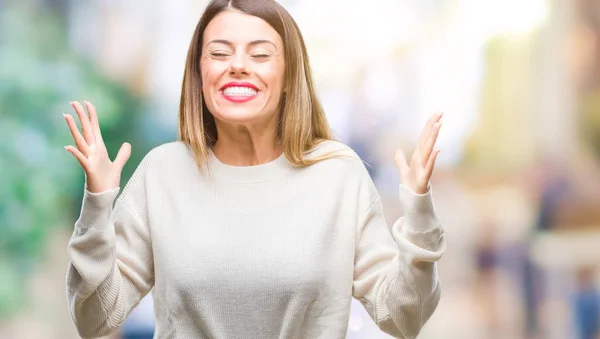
{"x":96,"y":208}
{"x":419,"y":210}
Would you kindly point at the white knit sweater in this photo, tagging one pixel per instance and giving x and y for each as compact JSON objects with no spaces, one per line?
{"x":267,"y":251}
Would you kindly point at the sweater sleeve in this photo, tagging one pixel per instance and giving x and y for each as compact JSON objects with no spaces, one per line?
{"x":111,"y":264}
{"x":395,"y":273}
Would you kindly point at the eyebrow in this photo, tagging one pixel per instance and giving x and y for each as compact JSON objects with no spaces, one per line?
{"x":252,"y":43}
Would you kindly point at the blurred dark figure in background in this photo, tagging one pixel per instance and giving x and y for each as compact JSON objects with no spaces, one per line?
{"x":552,"y":187}
{"x":487,"y":255}
{"x":586,"y":305}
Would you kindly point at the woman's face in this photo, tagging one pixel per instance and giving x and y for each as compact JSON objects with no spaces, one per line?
{"x":242,"y":68}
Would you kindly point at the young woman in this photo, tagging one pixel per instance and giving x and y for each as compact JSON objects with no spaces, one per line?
{"x":255,"y":223}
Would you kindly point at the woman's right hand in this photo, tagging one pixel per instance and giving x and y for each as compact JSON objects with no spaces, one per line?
{"x":101,"y":174}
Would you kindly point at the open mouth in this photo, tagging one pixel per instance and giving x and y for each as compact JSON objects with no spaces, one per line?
{"x":239,"y":92}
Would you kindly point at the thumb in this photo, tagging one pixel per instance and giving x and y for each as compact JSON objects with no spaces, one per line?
{"x":123,"y":155}
{"x":400,"y":160}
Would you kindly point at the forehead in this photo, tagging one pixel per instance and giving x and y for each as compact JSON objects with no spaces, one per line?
{"x":240,"y":28}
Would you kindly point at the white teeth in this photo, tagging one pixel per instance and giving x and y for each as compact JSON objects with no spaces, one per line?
{"x":239,"y":91}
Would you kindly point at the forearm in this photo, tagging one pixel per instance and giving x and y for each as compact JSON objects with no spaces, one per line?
{"x":101,"y":288}
{"x":414,"y":292}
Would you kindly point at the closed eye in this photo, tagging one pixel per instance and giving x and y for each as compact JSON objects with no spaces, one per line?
{"x":261,"y":56}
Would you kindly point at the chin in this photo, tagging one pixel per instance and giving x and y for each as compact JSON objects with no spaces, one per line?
{"x":240,"y":116}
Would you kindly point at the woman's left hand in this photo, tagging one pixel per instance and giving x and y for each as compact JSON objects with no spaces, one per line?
{"x":416,"y":175}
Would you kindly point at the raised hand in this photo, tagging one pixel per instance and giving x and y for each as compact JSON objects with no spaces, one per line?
{"x":101,"y":174}
{"x":416,"y":175}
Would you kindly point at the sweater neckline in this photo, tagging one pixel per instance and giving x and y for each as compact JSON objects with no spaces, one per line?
{"x":249,"y":174}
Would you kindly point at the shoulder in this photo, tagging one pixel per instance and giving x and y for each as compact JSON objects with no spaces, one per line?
{"x":343,"y":167}
{"x":166,"y":156}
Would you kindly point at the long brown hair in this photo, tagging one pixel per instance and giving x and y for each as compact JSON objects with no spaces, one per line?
{"x":302,"y":122}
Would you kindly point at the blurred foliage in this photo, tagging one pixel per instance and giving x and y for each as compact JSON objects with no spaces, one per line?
{"x":42,"y":184}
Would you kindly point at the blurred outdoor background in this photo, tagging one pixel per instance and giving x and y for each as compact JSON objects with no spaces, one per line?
{"x":517,"y":183}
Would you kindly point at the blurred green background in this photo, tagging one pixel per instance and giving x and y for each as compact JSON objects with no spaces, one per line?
{"x":41,"y":187}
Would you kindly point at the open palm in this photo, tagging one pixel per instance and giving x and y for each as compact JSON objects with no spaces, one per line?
{"x":100,"y":172}
{"x":416,"y":175}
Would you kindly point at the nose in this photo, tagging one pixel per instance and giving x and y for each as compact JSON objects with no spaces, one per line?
{"x":239,"y":66}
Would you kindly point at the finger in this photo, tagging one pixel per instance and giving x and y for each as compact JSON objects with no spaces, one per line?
{"x":427,"y":129}
{"x":79,"y":140}
{"x":78,"y":155}
{"x":400,"y":160}
{"x":94,"y":121}
{"x":431,"y":163}
{"x":428,"y":148}
{"x":86,"y":127}
{"x":123,"y":155}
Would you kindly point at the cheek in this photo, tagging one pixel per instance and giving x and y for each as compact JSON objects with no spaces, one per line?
{"x":275,"y":77}
{"x":209,"y":73}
